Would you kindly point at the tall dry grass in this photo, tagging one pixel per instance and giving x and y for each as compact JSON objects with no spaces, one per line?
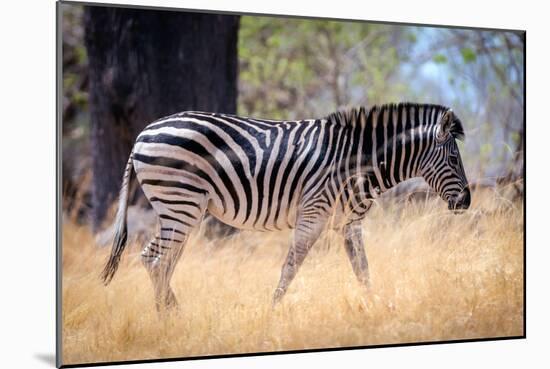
{"x":436,"y":276}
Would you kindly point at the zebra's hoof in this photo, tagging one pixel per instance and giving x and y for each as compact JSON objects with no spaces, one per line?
{"x":367,"y":286}
{"x":277,"y":296}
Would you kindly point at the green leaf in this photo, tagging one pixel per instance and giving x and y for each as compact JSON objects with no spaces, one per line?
{"x":81,"y":54}
{"x":486,"y":149}
{"x":440,"y":59}
{"x":468,"y":55}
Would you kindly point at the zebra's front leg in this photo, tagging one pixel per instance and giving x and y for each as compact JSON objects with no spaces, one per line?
{"x":305,"y":235}
{"x":354,"y":245}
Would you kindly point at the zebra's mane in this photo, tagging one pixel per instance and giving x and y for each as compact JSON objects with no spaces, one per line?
{"x":350,"y":117}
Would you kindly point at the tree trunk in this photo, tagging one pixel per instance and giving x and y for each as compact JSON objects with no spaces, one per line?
{"x":146,"y":64}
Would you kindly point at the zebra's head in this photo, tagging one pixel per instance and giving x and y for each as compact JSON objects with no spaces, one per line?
{"x":443,"y":169}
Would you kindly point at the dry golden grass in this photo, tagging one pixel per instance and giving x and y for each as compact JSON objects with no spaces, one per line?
{"x":436,"y":276}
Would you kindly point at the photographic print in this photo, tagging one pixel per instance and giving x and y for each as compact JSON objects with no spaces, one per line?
{"x":239,"y":184}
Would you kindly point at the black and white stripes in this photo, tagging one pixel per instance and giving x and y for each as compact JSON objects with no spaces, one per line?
{"x":271,"y":175}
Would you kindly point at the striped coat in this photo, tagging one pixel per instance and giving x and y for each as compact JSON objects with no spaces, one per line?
{"x":269,"y":175}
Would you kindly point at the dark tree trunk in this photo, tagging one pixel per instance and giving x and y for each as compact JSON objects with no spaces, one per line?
{"x":145,"y":64}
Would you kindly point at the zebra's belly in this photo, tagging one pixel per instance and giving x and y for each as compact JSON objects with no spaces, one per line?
{"x":266,"y":219}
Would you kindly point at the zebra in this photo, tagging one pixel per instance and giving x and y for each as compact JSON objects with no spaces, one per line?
{"x":269,"y":175}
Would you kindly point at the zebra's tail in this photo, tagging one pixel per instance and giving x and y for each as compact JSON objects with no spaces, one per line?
{"x":121,"y":230}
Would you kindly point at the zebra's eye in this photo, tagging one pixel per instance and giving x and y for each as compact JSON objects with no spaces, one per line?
{"x":453,"y":159}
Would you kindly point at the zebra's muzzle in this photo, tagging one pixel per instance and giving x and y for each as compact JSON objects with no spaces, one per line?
{"x":460,"y":202}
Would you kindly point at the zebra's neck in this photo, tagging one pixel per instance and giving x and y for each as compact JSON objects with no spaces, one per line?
{"x":390,"y":143}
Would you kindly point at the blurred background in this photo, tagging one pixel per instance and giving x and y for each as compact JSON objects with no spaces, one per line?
{"x":439,"y":277}
{"x":123,"y":68}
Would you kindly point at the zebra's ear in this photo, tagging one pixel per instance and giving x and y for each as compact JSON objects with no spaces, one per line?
{"x":445,"y":125}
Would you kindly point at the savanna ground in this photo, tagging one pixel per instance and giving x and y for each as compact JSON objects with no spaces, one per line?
{"x":435,"y":276}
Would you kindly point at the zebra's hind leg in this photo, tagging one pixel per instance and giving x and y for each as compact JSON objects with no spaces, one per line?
{"x":160,"y":257}
{"x":163,"y":252}
{"x":354,"y":245}
{"x":305,"y":235}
